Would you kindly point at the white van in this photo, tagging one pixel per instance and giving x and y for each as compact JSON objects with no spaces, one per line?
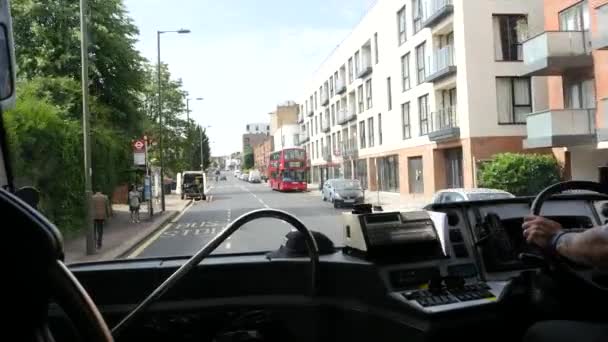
{"x":255,"y":176}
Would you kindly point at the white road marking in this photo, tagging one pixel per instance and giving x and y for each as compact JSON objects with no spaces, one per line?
{"x":228,"y":245}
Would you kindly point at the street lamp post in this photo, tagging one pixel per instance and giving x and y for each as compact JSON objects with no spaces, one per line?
{"x":202,"y":153}
{"x":160,"y":116}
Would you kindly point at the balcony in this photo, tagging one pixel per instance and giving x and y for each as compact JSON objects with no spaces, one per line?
{"x":366,"y":67}
{"x":560,"y":128}
{"x":325,"y":126}
{"x":349,"y":149}
{"x":300,"y":118}
{"x":340,"y":86}
{"x":600,"y":39}
{"x":443,"y":64}
{"x":552,"y":53}
{"x":326,"y":154}
{"x":436,"y":11}
{"x":324,"y":98}
{"x":304,"y":137}
{"x":602,"y":130}
{"x":311,"y":112}
{"x":444,"y":125}
{"x":345,"y":115}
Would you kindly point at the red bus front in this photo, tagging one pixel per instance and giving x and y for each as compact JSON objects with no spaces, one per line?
{"x":287,"y":170}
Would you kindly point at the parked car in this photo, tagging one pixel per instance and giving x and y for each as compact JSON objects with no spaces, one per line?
{"x":254,"y":176}
{"x":237,"y":173}
{"x":244,"y":176}
{"x":474,"y":194}
{"x":343,"y":192}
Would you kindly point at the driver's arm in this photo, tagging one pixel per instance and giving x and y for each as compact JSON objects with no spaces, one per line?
{"x":589,"y":247}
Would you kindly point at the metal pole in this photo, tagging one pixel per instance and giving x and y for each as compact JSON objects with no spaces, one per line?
{"x":88,"y":191}
{"x":160,"y":127}
{"x":202,"y":160}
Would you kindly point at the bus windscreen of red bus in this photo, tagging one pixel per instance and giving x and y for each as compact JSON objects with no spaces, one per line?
{"x":295,"y":154}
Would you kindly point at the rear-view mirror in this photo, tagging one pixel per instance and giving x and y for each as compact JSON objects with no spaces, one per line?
{"x":7,"y":58}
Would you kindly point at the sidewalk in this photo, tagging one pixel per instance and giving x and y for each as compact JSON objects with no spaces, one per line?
{"x":120,"y":235}
{"x":389,"y":201}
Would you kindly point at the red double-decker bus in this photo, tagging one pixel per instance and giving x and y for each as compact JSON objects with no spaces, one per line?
{"x":287,"y":170}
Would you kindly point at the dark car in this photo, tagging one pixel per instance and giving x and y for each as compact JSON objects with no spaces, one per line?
{"x":343,"y":192}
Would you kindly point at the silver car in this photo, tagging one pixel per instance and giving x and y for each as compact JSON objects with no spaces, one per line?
{"x":343,"y":192}
{"x":474,"y":194}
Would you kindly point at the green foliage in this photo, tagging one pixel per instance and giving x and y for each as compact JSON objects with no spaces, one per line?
{"x":520,"y":174}
{"x":248,"y":161}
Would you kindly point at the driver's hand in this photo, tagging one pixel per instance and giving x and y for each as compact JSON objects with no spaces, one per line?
{"x":539,"y":230}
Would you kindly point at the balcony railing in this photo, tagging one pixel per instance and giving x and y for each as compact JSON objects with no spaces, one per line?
{"x":324,"y":98}
{"x":435,"y":11}
{"x":325,"y":126}
{"x":349,"y":148}
{"x":560,"y":128}
{"x":345,"y":115}
{"x":366,"y":66}
{"x":602,"y":129}
{"x":311,"y":112}
{"x":552,"y":53}
{"x":326,"y":153}
{"x":443,"y":64}
{"x":444,"y":124}
{"x":340,"y":86}
{"x":304,"y":137}
{"x":600,"y":39}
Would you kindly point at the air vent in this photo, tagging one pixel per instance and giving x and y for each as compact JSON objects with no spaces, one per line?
{"x":453,"y":219}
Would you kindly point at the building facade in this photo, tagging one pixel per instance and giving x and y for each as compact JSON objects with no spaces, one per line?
{"x":570,"y":54}
{"x":257,"y":128}
{"x":250,"y":140}
{"x":421,"y":93}
{"x":261,"y":154}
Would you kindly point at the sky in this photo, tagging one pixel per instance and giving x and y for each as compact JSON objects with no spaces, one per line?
{"x":243,"y":56}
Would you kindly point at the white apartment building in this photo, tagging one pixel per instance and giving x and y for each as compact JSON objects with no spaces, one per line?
{"x":257,"y":128}
{"x":420,"y":93}
{"x":286,"y":136}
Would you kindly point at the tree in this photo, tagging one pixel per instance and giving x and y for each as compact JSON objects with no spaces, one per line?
{"x":248,"y":161}
{"x":47,"y":43}
{"x":520,"y":174}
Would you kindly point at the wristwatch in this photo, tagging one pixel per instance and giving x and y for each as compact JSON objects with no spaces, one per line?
{"x":552,"y":247}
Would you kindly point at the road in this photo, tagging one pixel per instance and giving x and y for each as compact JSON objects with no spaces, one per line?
{"x":231,"y":198}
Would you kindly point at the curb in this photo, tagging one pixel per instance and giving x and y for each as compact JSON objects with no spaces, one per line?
{"x":132,"y":244}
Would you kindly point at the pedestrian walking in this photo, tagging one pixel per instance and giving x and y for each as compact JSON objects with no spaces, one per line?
{"x":101,"y":211}
{"x":134,"y":203}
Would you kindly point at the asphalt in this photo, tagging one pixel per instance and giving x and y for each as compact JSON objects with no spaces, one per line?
{"x":232,"y":198}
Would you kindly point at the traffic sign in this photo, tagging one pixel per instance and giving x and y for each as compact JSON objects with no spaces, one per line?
{"x":139,"y":145}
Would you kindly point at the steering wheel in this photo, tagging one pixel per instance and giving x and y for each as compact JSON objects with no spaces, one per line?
{"x":584,"y":274}
{"x":207,"y":249}
{"x":42,"y":276}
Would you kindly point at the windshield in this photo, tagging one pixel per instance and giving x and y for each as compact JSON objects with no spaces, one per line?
{"x":362,"y":92}
{"x":347,"y":184}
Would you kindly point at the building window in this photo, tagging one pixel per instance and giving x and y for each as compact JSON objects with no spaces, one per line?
{"x":379,"y":129}
{"x":350,"y":70}
{"x":333,"y":114}
{"x":315,"y":100}
{"x":509,"y":33}
{"x":513,"y":98}
{"x":421,"y":62}
{"x":360,"y":98}
{"x":316,"y":125}
{"x":370,"y":130}
{"x":388,"y":173}
{"x":357,"y":63}
{"x":417,"y":15}
{"x":368,"y":93}
{"x":405,"y":121}
{"x":247,"y":128}
{"x":405,"y":72}
{"x":361,"y":172}
{"x":257,"y":128}
{"x":575,"y":18}
{"x":376,"y":46}
{"x":389,"y":93}
{"x":401,"y":25}
{"x":423,"y":114}
{"x":362,"y":134}
{"x":337,"y":107}
{"x":333,"y":142}
{"x":579,"y":94}
{"x":331,"y":86}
